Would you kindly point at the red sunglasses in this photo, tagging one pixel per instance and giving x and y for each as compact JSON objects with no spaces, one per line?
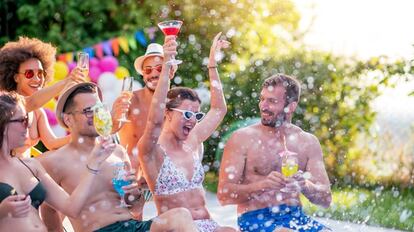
{"x":30,"y":73}
{"x":148,"y":70}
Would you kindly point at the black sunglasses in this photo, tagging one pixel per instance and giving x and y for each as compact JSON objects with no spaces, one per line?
{"x":88,"y":112}
{"x":24,"y":120}
{"x":188,"y":114}
{"x":30,"y":73}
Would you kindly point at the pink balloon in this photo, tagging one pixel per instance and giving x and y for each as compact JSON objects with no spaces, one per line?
{"x":71,"y":66}
{"x":51,"y":117}
{"x":108,"y":64}
{"x":93,"y":62}
{"x":94,"y":73}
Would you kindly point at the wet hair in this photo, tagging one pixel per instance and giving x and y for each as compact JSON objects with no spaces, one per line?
{"x":86,"y":88}
{"x":178,"y":94}
{"x":12,"y":54}
{"x":291,"y":85}
{"x":8,"y":106}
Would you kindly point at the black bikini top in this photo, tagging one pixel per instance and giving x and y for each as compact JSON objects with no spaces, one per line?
{"x":38,"y":193}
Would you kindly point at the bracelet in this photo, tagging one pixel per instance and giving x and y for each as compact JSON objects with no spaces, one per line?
{"x":91,"y":170}
{"x":212,"y":66}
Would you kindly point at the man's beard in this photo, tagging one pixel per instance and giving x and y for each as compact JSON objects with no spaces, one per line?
{"x":150,"y":86}
{"x":275,"y":122}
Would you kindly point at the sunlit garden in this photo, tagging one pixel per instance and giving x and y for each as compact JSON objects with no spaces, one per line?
{"x":370,"y":162}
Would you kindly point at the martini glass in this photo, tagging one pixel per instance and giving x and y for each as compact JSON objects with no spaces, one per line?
{"x":171,"y":27}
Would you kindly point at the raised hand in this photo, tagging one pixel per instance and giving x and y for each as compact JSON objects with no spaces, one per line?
{"x":76,"y":76}
{"x":216,"y":47}
{"x":170,"y":47}
{"x":121,"y":105}
{"x":16,"y":206}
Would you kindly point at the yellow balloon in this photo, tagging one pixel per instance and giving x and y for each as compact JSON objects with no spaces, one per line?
{"x":121,"y":72}
{"x":51,"y":105}
{"x":61,"y":70}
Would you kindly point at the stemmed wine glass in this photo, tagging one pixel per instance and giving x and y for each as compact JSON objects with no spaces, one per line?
{"x":102,"y":120}
{"x":290,"y":164}
{"x":118,"y":181}
{"x":83,"y":62}
{"x":171,"y":27}
{"x":127,"y":85}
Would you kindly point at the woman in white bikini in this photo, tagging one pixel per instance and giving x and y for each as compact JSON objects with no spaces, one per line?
{"x":171,"y":148}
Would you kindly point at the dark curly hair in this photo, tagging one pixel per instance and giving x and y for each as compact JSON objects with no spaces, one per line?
{"x":178,"y":94}
{"x":12,"y":54}
{"x":8,"y":106}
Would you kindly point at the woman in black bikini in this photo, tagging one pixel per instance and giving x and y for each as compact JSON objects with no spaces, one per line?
{"x":24,"y":184}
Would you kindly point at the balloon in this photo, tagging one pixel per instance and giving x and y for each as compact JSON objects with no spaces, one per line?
{"x":61,"y":70}
{"x":108,"y":64}
{"x":51,"y":116}
{"x":121,"y":72}
{"x":94,"y":73}
{"x":71,"y":66}
{"x":93,"y":62}
{"x":107,"y":81}
{"x":51,"y":105}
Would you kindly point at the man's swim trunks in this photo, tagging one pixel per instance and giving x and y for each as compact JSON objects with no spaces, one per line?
{"x":282,"y":216}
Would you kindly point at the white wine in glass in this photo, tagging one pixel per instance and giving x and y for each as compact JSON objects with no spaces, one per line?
{"x":83,"y":63}
{"x":127,"y":85}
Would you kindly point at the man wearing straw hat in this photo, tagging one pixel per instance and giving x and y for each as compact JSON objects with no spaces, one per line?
{"x":255,"y":156}
{"x":149,"y":66}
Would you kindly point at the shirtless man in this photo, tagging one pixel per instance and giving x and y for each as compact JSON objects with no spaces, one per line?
{"x":250,"y":169}
{"x":100,"y":212}
{"x":149,"y":66}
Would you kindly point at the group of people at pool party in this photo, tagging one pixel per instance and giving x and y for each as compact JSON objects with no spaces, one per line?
{"x":100,"y":175}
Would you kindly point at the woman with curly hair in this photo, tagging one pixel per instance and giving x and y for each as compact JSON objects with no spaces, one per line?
{"x":26,"y":66}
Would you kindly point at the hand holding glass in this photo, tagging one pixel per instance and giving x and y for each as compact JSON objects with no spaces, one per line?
{"x":171,"y":27}
{"x":289,"y":166}
{"x":102,"y":120}
{"x":83,"y":63}
{"x":127,"y":85}
{"x":118,"y":181}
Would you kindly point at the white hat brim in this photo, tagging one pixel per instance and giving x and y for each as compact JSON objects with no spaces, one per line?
{"x":138,"y":61}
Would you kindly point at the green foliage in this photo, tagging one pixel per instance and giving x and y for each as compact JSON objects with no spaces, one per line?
{"x":389,"y":207}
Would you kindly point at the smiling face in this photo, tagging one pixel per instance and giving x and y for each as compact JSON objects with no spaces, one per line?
{"x":79,"y":118}
{"x":29,"y":78}
{"x":272,"y":106}
{"x":178,"y":124}
{"x":153,"y":65}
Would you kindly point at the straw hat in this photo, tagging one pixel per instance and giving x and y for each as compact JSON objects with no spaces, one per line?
{"x":153,"y":49}
{"x":63,"y":97}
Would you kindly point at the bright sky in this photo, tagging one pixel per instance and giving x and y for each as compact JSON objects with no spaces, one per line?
{"x":363,"y":28}
{"x":367,"y":28}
